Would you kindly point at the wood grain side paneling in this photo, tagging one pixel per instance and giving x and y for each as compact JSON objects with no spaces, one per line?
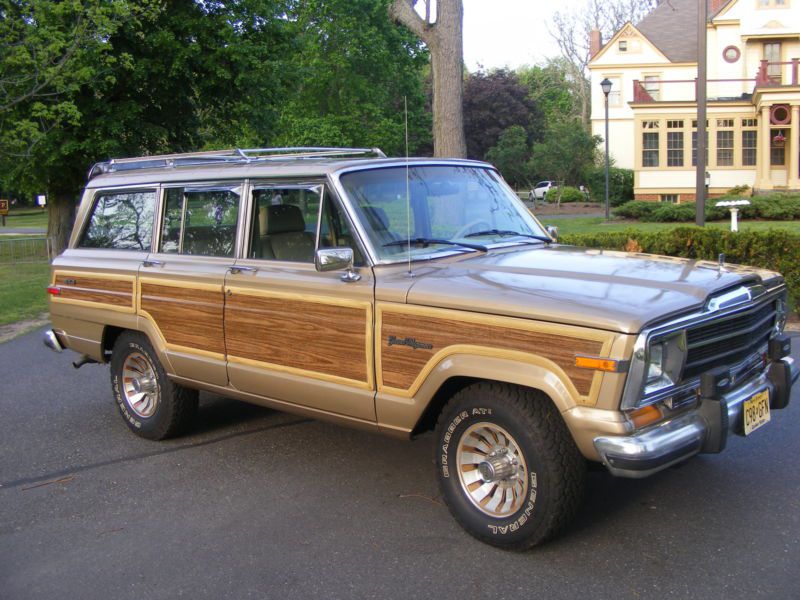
{"x":86,"y":288}
{"x":186,"y":317}
{"x":311,"y":336}
{"x":402,"y":364}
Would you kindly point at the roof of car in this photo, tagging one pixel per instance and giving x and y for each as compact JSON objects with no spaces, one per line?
{"x":200,"y":166}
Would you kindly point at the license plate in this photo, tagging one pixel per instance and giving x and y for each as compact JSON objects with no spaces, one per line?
{"x":756,"y":412}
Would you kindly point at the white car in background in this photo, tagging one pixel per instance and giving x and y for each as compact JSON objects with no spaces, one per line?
{"x":540,"y":190}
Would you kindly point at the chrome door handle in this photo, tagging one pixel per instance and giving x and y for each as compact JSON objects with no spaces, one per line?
{"x":236,"y":269}
{"x":149,"y":262}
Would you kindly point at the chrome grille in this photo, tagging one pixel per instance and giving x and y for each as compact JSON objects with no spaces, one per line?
{"x":728,"y":340}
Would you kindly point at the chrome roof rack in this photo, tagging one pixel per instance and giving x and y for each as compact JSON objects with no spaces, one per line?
{"x":232,"y":156}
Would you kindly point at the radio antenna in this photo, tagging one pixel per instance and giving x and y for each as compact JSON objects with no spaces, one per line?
{"x":408,"y":192}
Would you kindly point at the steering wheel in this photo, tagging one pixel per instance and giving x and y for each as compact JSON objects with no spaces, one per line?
{"x":469,"y":226}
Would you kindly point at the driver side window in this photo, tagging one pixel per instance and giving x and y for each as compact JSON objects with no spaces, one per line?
{"x":286,"y":219}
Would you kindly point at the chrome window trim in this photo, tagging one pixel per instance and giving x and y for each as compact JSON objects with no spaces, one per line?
{"x":347,"y":204}
{"x":632,"y":395}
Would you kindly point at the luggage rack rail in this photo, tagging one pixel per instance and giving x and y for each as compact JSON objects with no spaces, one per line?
{"x":232,"y":156}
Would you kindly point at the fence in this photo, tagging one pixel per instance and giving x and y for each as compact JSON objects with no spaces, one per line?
{"x":26,"y":250}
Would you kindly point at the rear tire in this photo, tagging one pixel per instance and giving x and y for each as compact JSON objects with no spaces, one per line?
{"x":152,"y":405}
{"x":507,"y":466}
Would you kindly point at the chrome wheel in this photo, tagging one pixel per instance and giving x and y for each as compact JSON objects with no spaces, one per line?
{"x":140,"y":385}
{"x":492,"y":470}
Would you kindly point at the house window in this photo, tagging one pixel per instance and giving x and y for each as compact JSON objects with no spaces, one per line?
{"x":725,"y":147}
{"x":652,"y":85}
{"x":671,"y":198}
{"x":622,"y":46}
{"x":772,"y":54}
{"x":615,"y":95}
{"x":675,"y":148}
{"x":650,"y":149}
{"x":777,"y":149}
{"x":749,"y":142}
{"x":772,"y":3}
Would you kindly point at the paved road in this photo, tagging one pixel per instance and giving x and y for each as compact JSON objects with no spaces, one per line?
{"x":259,"y":504}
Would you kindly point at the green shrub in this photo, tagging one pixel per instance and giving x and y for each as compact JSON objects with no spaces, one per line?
{"x":739,"y":190}
{"x":568,"y":194}
{"x":666,"y":213}
{"x":776,"y":207}
{"x":775,"y":249}
{"x":636,"y":209}
{"x":620,"y":184}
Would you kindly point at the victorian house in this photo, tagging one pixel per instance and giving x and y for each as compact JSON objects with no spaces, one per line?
{"x":753,"y":97}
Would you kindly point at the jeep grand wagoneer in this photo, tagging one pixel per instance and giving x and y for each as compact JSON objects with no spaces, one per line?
{"x":403,"y":296}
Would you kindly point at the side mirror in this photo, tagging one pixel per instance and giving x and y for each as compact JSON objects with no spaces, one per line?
{"x":552,"y":231}
{"x":336,"y":259}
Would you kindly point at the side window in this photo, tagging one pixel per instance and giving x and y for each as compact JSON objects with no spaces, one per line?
{"x":284,"y":223}
{"x":336,"y":232}
{"x":121,"y":221}
{"x":200,"y":221}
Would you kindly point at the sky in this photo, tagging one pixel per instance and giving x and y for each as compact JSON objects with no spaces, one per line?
{"x":509,"y":33}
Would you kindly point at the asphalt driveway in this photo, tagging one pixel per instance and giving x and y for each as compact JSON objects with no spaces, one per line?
{"x":260,"y":504}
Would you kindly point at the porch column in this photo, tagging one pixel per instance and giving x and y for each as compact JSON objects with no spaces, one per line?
{"x":764,"y":181}
{"x":794,"y":149}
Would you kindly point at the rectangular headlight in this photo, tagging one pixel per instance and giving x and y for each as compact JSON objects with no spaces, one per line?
{"x":665,"y":359}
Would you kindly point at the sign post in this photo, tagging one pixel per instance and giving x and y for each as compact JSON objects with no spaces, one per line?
{"x":4,"y":210}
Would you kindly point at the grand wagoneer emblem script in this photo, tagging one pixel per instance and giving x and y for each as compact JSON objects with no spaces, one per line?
{"x":410,"y":342}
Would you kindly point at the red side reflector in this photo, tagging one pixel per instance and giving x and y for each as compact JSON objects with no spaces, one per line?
{"x":54,"y":290}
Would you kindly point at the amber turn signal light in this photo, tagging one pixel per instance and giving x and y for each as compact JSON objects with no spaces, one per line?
{"x":599,"y":364}
{"x":645,"y":416}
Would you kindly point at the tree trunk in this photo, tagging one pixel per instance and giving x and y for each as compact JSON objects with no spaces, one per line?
{"x":444,"y":41}
{"x":60,"y":215}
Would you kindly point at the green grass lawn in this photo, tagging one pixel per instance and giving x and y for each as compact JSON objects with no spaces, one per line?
{"x":22,"y":291}
{"x":26,"y":217}
{"x":568,"y":225}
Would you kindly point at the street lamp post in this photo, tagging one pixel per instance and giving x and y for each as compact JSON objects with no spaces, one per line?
{"x":606,"y":87}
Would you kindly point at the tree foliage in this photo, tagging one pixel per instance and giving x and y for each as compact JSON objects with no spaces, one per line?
{"x":565,"y":153}
{"x":494,"y":102}
{"x":511,"y":155}
{"x":352,"y":70}
{"x":84,"y":81}
{"x":551,"y":87}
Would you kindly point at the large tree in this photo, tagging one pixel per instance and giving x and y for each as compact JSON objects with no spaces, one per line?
{"x":442,"y":34}
{"x":494,"y":102}
{"x":157,"y":78}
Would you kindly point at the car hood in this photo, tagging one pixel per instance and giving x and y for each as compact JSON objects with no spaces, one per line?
{"x":617,"y":291}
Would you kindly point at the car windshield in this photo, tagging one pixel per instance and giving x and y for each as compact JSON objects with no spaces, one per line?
{"x":448,"y":208}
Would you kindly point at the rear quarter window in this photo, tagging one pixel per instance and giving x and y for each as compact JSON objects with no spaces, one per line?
{"x":121,"y":221}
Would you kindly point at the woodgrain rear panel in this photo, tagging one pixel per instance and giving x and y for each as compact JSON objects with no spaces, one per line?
{"x":186,"y":316}
{"x":88,"y":289}
{"x":327,"y":338}
{"x":401,"y":364}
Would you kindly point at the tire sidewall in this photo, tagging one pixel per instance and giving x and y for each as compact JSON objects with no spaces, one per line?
{"x":531,"y":517}
{"x":144,"y":426}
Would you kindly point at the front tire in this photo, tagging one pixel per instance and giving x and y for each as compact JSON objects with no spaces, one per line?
{"x":507,"y":466}
{"x":152,"y":405}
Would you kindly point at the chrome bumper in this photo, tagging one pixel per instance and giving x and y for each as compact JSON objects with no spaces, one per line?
{"x":670,"y":442}
{"x":51,"y":341}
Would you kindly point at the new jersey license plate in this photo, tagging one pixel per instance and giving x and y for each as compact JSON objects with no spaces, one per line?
{"x":756,"y":412}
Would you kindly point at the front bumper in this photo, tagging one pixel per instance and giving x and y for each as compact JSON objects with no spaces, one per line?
{"x":700,"y":430}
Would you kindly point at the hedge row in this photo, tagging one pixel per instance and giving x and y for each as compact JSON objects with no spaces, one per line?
{"x":775,"y":207}
{"x":775,"y":249}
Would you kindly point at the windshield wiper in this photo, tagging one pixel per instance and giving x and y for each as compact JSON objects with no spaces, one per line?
{"x":502,"y":232}
{"x":425,"y":242}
